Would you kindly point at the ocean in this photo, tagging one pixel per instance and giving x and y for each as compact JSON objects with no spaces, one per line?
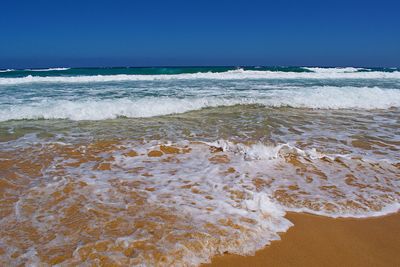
{"x":172,"y":166}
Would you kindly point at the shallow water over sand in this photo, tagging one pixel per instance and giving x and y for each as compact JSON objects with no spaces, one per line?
{"x":178,"y":189}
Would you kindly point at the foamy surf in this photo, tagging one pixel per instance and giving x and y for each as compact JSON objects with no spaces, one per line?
{"x":98,"y":109}
{"x":172,"y":166}
{"x":270,"y":157}
{"x":335,"y":70}
{"x":157,"y":203}
{"x":239,"y":74}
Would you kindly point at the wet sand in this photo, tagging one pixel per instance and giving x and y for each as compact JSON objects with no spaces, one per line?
{"x":321,"y":241}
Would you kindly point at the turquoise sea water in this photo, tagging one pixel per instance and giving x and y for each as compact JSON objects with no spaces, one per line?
{"x":137,"y":70}
{"x":156,"y":70}
{"x":93,"y":94}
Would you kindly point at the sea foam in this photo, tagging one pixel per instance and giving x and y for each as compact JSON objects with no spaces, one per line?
{"x":99,"y":109}
{"x":238,"y":74}
{"x":191,"y":204}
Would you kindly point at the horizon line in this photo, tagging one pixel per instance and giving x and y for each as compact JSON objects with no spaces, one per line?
{"x":196,"y":66}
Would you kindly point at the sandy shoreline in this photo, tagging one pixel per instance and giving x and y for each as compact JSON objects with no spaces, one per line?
{"x":321,"y":241}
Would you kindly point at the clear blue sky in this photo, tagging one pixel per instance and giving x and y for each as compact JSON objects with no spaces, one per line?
{"x":142,"y":33}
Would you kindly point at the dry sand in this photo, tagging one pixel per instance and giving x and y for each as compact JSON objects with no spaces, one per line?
{"x":321,"y":241}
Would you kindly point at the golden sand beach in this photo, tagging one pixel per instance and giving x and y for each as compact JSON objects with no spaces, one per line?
{"x":320,"y":241}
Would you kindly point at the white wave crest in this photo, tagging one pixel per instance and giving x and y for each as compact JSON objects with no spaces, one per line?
{"x":333,"y":70}
{"x":7,"y":70}
{"x":49,"y":69}
{"x":109,"y":109}
{"x":95,"y":109}
{"x":239,"y":74}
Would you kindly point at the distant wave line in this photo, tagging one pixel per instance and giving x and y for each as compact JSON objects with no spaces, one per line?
{"x":238,"y":74}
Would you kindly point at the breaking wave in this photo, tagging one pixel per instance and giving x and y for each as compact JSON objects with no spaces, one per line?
{"x":100,"y":109}
{"x":239,"y":74}
{"x":49,"y":69}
